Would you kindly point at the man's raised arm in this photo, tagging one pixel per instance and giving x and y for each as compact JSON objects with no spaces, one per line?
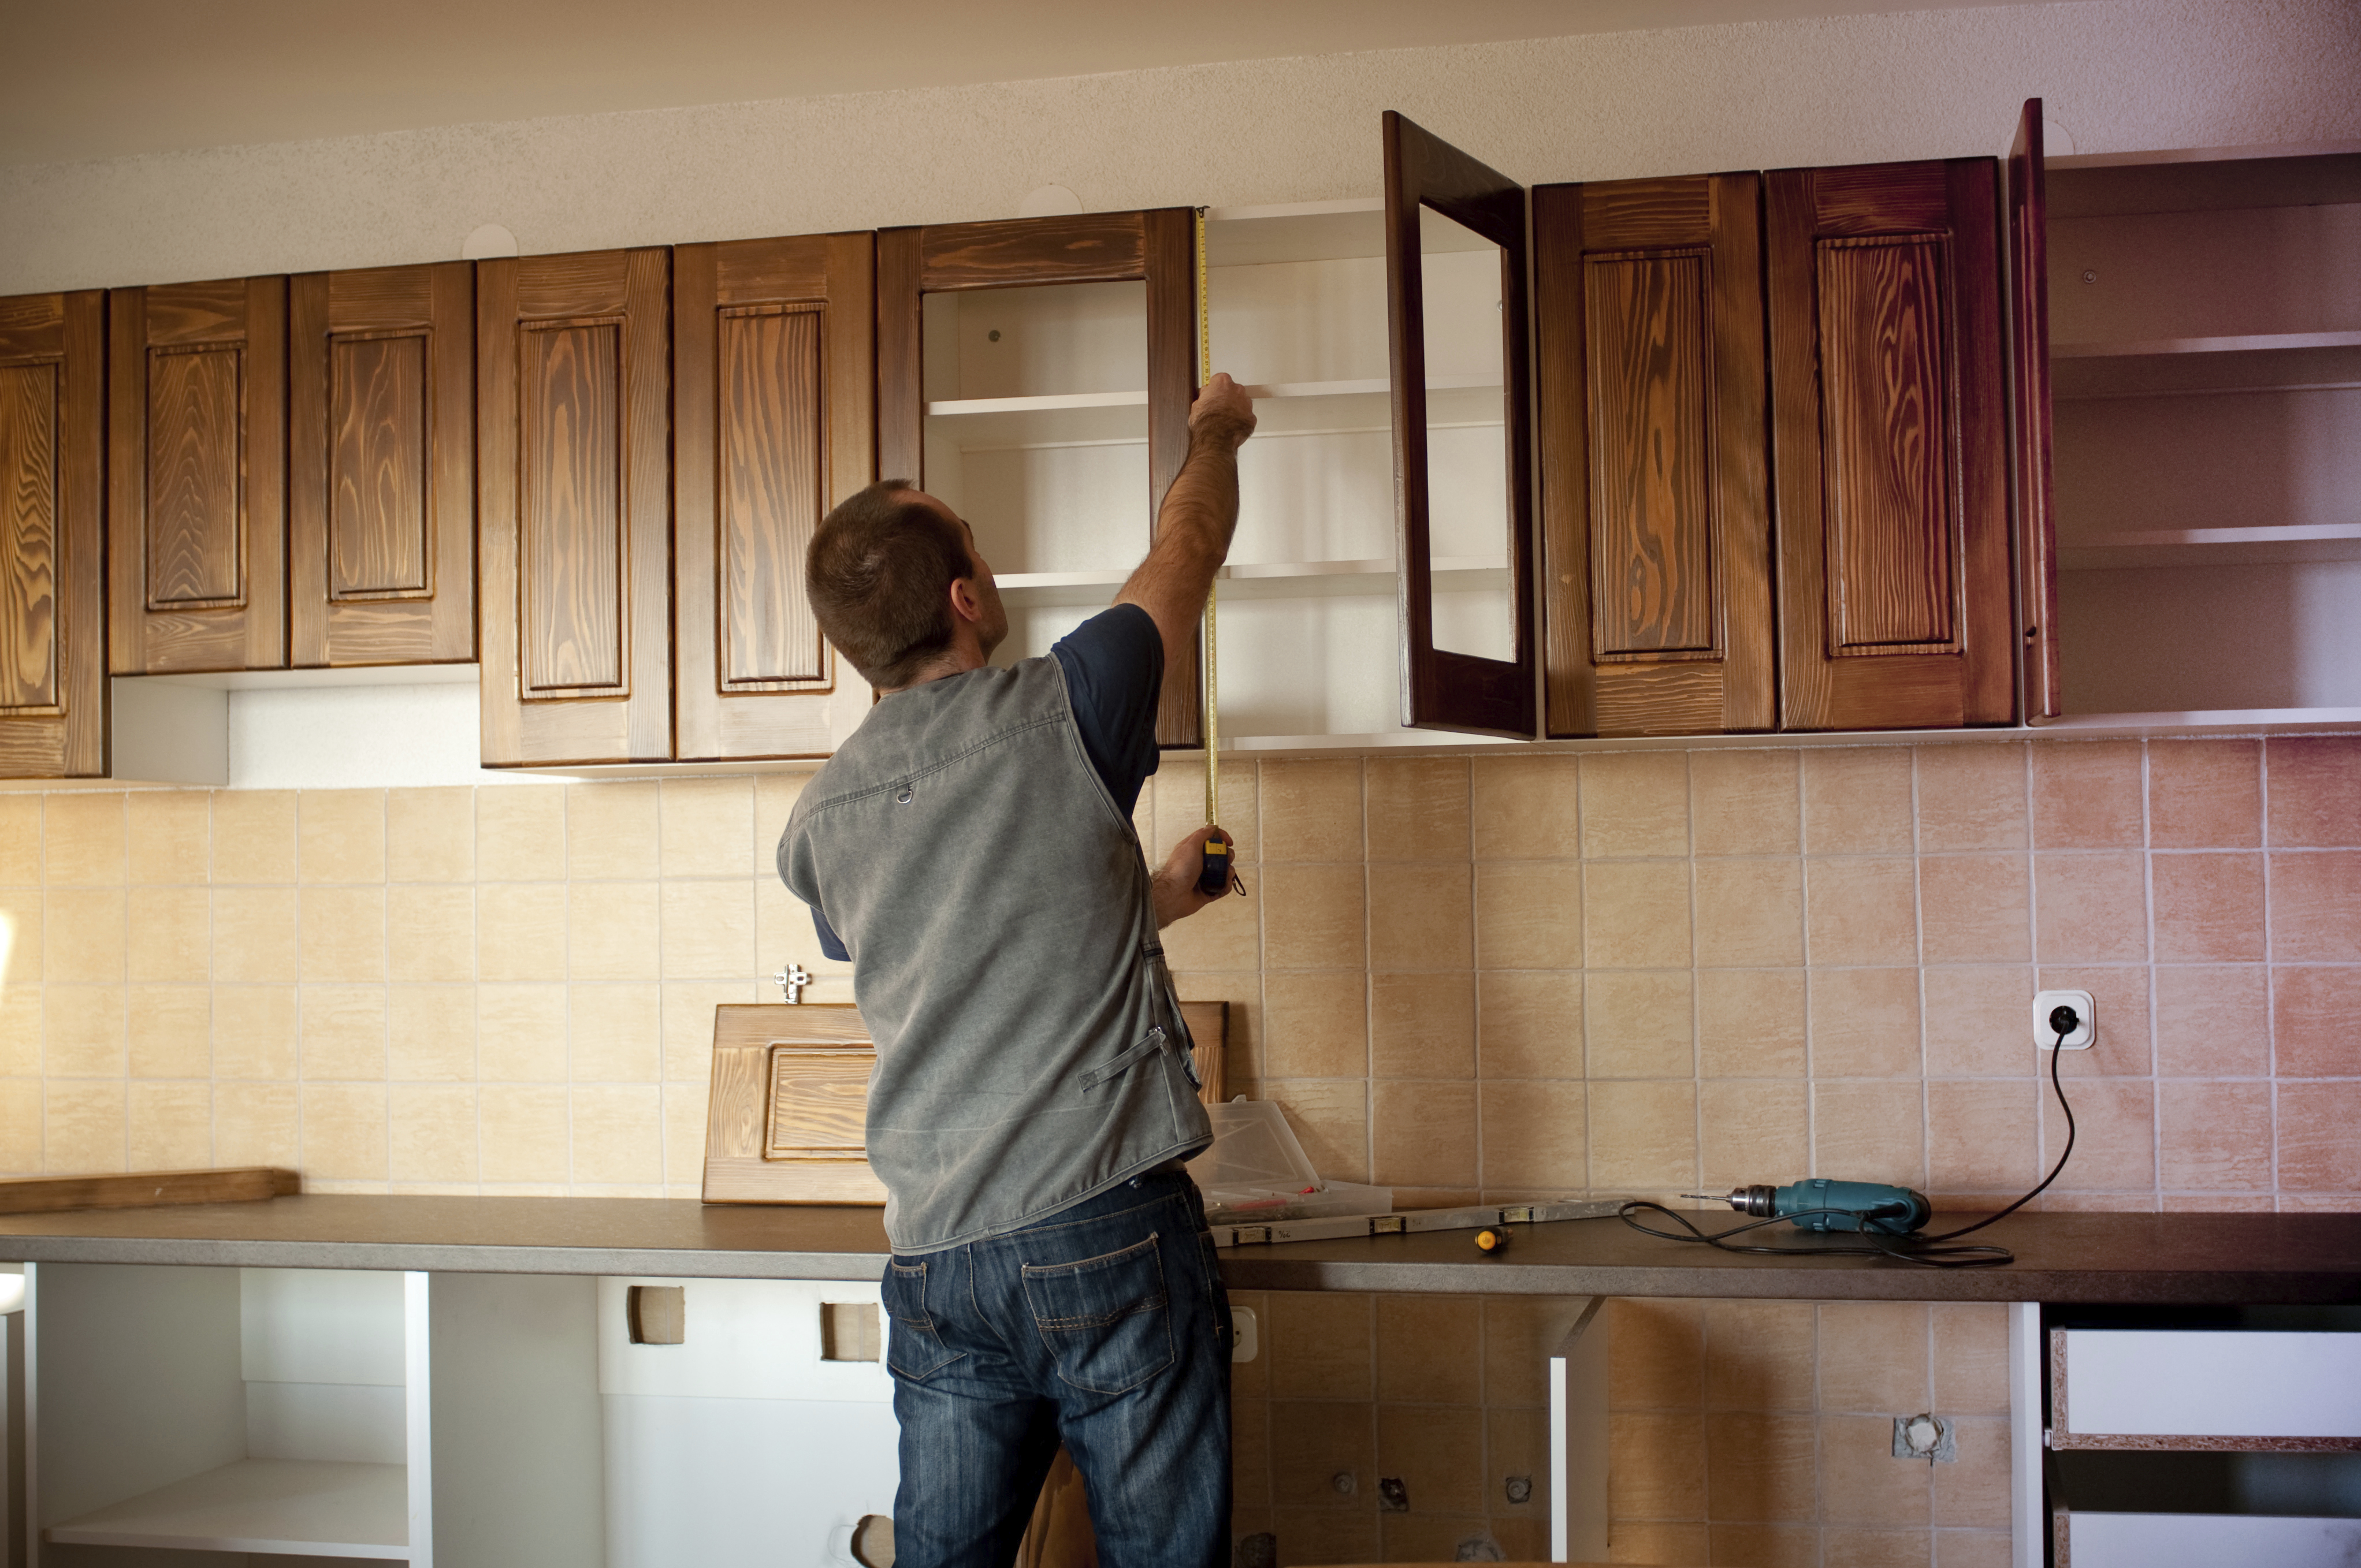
{"x":1199,"y":514}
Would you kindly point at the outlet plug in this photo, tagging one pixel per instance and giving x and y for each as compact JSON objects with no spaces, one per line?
{"x":2086,"y":1025}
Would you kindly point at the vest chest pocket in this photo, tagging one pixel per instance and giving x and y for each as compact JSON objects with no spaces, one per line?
{"x":1106,"y":1320}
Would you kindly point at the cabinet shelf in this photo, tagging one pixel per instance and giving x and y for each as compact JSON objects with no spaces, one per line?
{"x":1240,"y":580}
{"x":304,"y":1507}
{"x":1285,"y":407}
{"x":2211,"y":546}
{"x":2150,"y":348}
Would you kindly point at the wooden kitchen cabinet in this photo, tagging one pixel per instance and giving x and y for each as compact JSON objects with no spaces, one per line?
{"x":381,"y":470}
{"x":574,"y":399}
{"x":773,"y":423}
{"x":53,"y":686}
{"x":1036,"y":374}
{"x":196,"y":517}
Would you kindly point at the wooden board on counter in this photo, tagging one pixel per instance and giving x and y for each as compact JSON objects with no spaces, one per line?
{"x":145,"y":1188}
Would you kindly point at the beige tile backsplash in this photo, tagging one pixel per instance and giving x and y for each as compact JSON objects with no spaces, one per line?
{"x":1505,"y":976}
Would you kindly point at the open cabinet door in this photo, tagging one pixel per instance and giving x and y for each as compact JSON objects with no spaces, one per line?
{"x":1462,"y":481}
{"x":2029,"y":336}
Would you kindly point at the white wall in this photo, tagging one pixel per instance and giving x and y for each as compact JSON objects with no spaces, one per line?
{"x":2117,"y":74}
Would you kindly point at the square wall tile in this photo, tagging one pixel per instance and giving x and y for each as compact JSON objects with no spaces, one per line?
{"x":1750,"y":913}
{"x":1634,"y":803}
{"x":688,"y":1008}
{"x":1982,"y":1138}
{"x":1430,"y":1349}
{"x":707,"y":826}
{"x":169,"y":935}
{"x":1857,"y":801}
{"x":1636,"y":915}
{"x":1420,"y":1026}
{"x":612,"y":830}
{"x":1874,"y":1356}
{"x":255,"y":1032}
{"x":20,"y":840}
{"x":254,"y":934}
{"x":2089,"y":795}
{"x":521,"y":1036}
{"x":617,"y":1034}
{"x":1417,"y":808}
{"x":1661,"y":1464}
{"x":82,"y":839}
{"x":429,"y":835}
{"x":344,"y":932}
{"x":430,"y":1034}
{"x":611,"y":928}
{"x":1317,"y":1022}
{"x":1421,"y":1133}
{"x":1643,"y":1135}
{"x":344,"y":1131}
{"x":1313,"y":1443}
{"x":84,"y":1128}
{"x":1178,"y":794}
{"x":82,"y":934}
{"x":1422,"y":917}
{"x":1525,"y":808}
{"x":170,"y":1126}
{"x":340,"y":835}
{"x":2317,"y":1150}
{"x":1314,"y":916}
{"x":1760,"y":1355}
{"x":2215,"y":1022}
{"x":520,"y":930}
{"x":1760,"y":1468}
{"x":1534,"y":1138}
{"x":685,"y":1108}
{"x":1519,"y":1333}
{"x":708,"y":932}
{"x":2209,"y":907}
{"x":2091,"y":907}
{"x":1528,"y":915}
{"x":1865,"y":1023}
{"x":1747,"y":1128}
{"x":1873,"y":1125}
{"x":524,"y":1135}
{"x":85,"y":1031}
{"x":617,"y":1133}
{"x":1639,"y":1024}
{"x":21,"y":1032}
{"x":20,"y":936}
{"x":430,"y":1132}
{"x":254,"y":835}
{"x":1321,"y":1346}
{"x":520,"y":832}
{"x":1980,"y":1022}
{"x":256,"y":1124}
{"x":1437,"y":1452}
{"x":1860,"y":1480}
{"x":170,"y":835}
{"x":342,"y":1031}
{"x":1746,"y":803}
{"x":2315,"y":902}
{"x":1971,"y":1358}
{"x":1226,"y":935}
{"x":1750,"y":1023}
{"x":1975,"y":1490}
{"x":2204,"y":794}
{"x":2315,"y":790}
{"x":1862,"y":911}
{"x":1657,"y":1353}
{"x":1311,"y":811}
{"x":1529,"y":1024}
{"x":171,"y":1031}
{"x":1976,"y":908}
{"x":431,"y":932}
{"x":2115,"y":1145}
{"x":2119,"y":997}
{"x":2214,"y":1138}
{"x":1971,"y":797}
{"x":2316,"y":1016}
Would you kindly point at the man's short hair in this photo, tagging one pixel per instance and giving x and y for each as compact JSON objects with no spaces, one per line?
{"x":879,"y":572}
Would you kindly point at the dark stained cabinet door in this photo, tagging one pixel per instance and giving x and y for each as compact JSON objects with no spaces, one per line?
{"x":2032,"y":441}
{"x":1890,"y":446}
{"x":196,"y":523}
{"x":1655,"y":485}
{"x":381,"y":466}
{"x":1155,"y":247}
{"x":774,"y":423}
{"x":575,"y":480}
{"x":54,"y":690}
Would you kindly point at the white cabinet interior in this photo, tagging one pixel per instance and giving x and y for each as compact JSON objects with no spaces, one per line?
{"x":2205,"y":333}
{"x":1035,"y":432}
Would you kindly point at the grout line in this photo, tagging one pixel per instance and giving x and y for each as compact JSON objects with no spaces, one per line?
{"x":2148,"y":869}
{"x":2270,"y":960}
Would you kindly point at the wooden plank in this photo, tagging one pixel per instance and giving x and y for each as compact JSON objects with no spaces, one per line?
{"x":2042,"y":681}
{"x":1170,"y":264}
{"x":145,"y":1188}
{"x":1087,"y":247}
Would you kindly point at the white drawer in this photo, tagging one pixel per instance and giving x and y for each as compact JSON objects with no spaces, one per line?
{"x":2210,"y":1541}
{"x":2199,"y":1383}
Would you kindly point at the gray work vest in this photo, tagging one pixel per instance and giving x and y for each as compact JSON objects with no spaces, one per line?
{"x":996,"y":903}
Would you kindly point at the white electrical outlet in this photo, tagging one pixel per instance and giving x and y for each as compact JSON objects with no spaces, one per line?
{"x":2083,"y":1033}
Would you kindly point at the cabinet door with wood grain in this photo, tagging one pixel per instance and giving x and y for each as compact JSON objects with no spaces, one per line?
{"x":1890,"y":446}
{"x":53,"y":689}
{"x":574,"y":399}
{"x":382,"y":466}
{"x":1655,"y":482}
{"x":196,"y":433}
{"x":774,"y":423}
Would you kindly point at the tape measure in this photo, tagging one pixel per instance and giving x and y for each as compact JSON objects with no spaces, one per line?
{"x":1218,"y":874}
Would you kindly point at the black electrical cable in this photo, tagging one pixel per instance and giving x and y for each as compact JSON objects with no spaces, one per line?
{"x":1926,"y":1250}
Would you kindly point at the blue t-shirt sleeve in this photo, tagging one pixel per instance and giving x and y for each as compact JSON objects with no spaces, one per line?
{"x":1114,"y":676}
{"x":830,"y":944}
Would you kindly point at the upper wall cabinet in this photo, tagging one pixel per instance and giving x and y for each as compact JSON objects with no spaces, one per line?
{"x":773,"y":423}
{"x":381,"y":463}
{"x":1890,"y":446}
{"x":574,"y":398}
{"x":196,"y":524}
{"x":53,"y":688}
{"x":1655,"y":482}
{"x":1036,"y":375}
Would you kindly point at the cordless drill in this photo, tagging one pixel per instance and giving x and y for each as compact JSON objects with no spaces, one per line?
{"x":1820,"y":1205}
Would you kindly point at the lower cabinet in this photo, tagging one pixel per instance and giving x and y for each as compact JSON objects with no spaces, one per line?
{"x":517,"y":1421}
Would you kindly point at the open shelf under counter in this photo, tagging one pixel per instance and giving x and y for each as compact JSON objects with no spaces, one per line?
{"x":301,"y":1507}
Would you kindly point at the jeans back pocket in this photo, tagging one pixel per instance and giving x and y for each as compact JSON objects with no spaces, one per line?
{"x":912,"y":1348}
{"x":1107,"y":1320}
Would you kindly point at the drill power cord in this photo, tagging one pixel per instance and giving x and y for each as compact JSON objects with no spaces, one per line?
{"x":1926,"y":1251}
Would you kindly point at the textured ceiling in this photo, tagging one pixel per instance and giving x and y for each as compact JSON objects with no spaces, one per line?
{"x":84,"y":78}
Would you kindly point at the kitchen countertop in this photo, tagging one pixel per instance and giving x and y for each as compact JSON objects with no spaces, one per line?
{"x":2191,"y":1259}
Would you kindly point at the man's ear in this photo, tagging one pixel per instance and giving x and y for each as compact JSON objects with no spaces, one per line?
{"x":964,"y":603}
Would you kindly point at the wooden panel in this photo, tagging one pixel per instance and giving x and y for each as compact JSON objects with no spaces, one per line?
{"x":1087,"y":247}
{"x":1443,"y":690}
{"x":774,"y":424}
{"x":54,"y":690}
{"x":1171,"y":239}
{"x":197,"y":433}
{"x":2044,"y":692}
{"x":145,"y":1188}
{"x":1890,"y":448}
{"x":573,"y":370}
{"x":1656,"y":518}
{"x":820,"y":1101}
{"x":381,"y":466}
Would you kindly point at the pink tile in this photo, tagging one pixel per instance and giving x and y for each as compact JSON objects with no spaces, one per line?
{"x":2114,"y":1135}
{"x":1868,"y":1131}
{"x":2091,"y":907}
{"x":1978,"y":1022}
{"x":1745,"y":802}
{"x":1862,"y":911}
{"x":2318,"y":1152}
{"x":1977,"y":908}
{"x":1981,"y":1137}
{"x":2316,"y":1016}
{"x":2315,"y":790}
{"x":2213,"y":1022}
{"x":2204,"y":794}
{"x":1971,"y":797}
{"x":1857,"y":801}
{"x":1865,"y":1022}
{"x":2209,"y":907}
{"x":2087,"y":795}
{"x":2214,"y":1138}
{"x":2316,"y":906}
{"x":2119,"y":996}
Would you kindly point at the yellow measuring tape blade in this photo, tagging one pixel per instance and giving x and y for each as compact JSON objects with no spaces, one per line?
{"x":1213,"y":702}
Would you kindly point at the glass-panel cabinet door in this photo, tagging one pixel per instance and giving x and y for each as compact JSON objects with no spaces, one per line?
{"x":1456,"y":256}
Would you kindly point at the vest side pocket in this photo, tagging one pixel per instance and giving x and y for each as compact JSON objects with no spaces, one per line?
{"x":1152,"y":1042}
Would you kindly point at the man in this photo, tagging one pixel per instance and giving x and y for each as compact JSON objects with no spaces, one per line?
{"x":971,"y":849}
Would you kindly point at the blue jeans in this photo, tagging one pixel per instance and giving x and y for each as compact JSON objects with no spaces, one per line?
{"x":1105,"y":1326}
